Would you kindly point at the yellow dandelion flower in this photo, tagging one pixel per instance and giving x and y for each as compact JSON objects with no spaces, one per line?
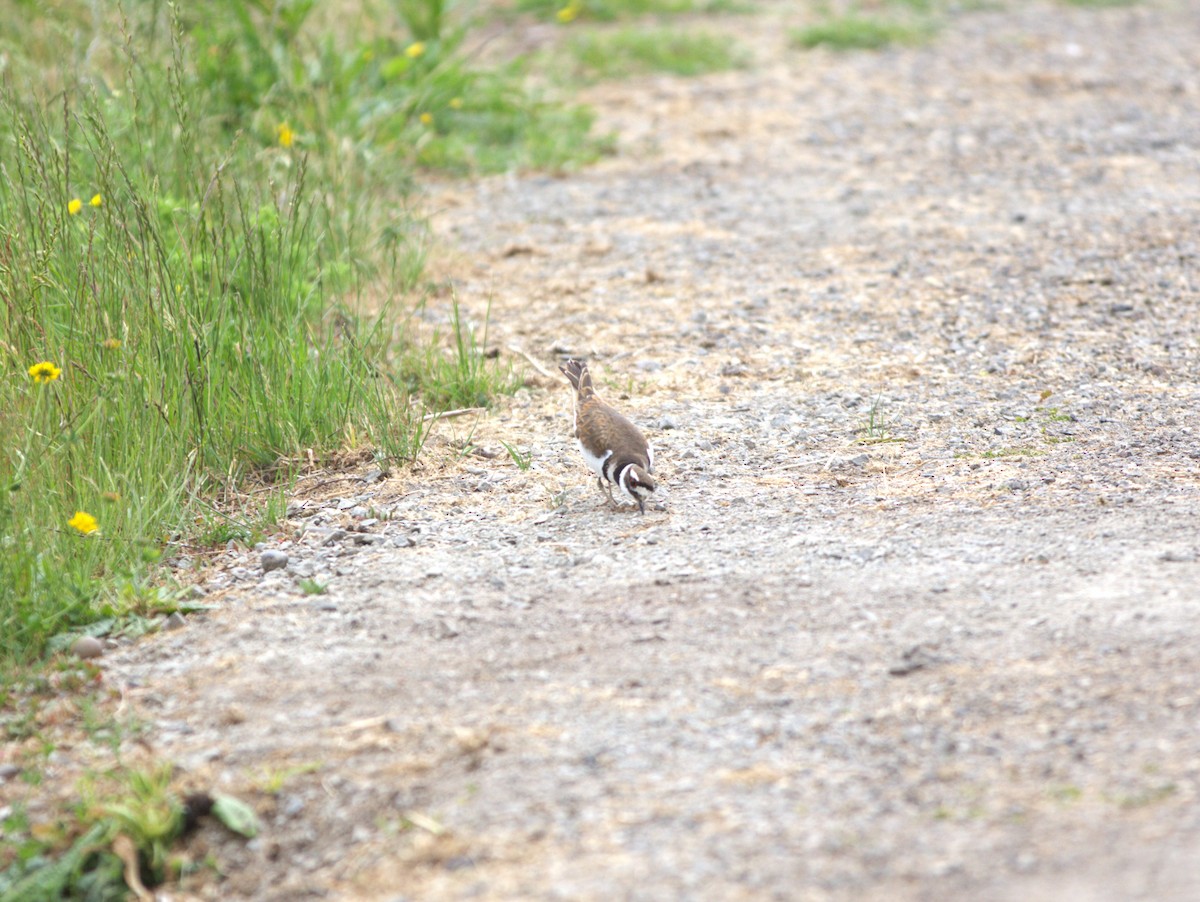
{"x":74,"y":206}
{"x":84,"y":522}
{"x":44,"y":372}
{"x":111,"y":344}
{"x":96,"y":200}
{"x":427,"y":118}
{"x":456,"y":103}
{"x":570,"y":12}
{"x":415,"y":49}
{"x":286,"y":135}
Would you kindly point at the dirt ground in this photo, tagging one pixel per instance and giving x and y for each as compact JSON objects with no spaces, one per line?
{"x":915,"y":336}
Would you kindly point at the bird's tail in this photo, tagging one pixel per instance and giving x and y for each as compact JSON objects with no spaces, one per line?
{"x":577,"y":373}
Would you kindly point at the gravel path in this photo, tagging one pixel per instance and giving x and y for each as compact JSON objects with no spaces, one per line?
{"x":915,"y":335}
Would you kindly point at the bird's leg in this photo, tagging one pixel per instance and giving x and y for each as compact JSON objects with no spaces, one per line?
{"x":604,"y":487}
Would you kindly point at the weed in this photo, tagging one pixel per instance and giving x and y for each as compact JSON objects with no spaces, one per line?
{"x":273,"y":781}
{"x":310,"y":586}
{"x":875,"y":431}
{"x":103,"y":727}
{"x":624,"y":387}
{"x":148,"y":813}
{"x":1012,"y":452}
{"x":1066,"y":794}
{"x":1150,"y":795}
{"x":128,"y":818}
{"x":523,"y":459}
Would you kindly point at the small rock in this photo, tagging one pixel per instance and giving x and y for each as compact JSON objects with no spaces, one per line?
{"x":240,"y":573}
{"x":914,"y":659}
{"x":86,"y":647}
{"x":1177,"y":556}
{"x":358,"y":512}
{"x":8,"y":770}
{"x":196,"y":591}
{"x":174,"y":622}
{"x":273,"y":559}
{"x":346,"y":503}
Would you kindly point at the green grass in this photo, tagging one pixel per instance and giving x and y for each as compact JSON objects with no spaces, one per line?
{"x":857,"y":32}
{"x":193,"y":209}
{"x":638,"y":51}
{"x":1099,"y":4}
{"x":1012,"y":452}
{"x":523,"y":459}
{"x":454,"y":369}
{"x":611,"y":10}
{"x":876,"y":430}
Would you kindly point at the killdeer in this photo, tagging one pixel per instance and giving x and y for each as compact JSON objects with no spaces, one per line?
{"x":612,"y":446}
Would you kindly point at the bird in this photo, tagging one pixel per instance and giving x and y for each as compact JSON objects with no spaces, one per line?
{"x":614,"y":449}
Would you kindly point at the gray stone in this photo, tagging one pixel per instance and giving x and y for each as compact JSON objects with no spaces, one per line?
{"x":87,"y":647}
{"x":273,"y":559}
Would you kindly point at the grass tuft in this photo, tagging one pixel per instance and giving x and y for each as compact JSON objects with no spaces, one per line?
{"x":457,"y":370}
{"x":854,"y":32}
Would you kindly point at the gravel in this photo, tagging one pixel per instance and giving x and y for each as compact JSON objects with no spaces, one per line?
{"x":918,"y":616}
